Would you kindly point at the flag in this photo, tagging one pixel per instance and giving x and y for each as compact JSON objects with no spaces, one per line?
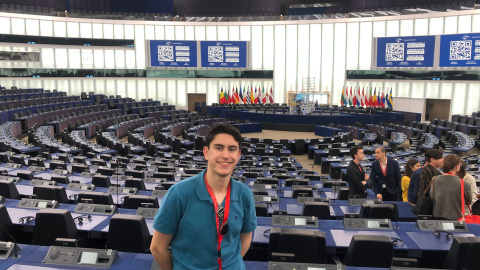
{"x":374,"y":98}
{"x":354,"y":98}
{"x":390,"y":99}
{"x":383,"y":100}
{"x":350,"y":97}
{"x":358,"y":97}
{"x":222,"y":96}
{"x":252,"y":97}
{"x":342,"y":98}
{"x":227,"y":96}
{"x":271,"y":94}
{"x":240,"y":95}
{"x":379,"y":98}
{"x":256,"y":96}
{"x":237,"y":97}
{"x":264,"y":97}
{"x":362,"y":99}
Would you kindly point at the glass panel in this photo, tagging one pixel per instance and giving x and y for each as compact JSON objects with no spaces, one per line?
{"x":353,"y":41}
{"x":74,"y":60}
{"x":108,"y":30}
{"x":212,"y":33}
{"x":179,"y":33}
{"x":129,"y":32}
{"x":98,"y":33}
{"x":109,"y":59}
{"x":199,"y":32}
{"x":59,"y":29}
{"x":476,"y":23}
{"x":392,"y":29}
{"x":98,"y":59}
{"x":212,"y":91}
{"x":76,"y":87}
{"x":378,"y":29}
{"x":159,"y":32}
{"x":172,"y":89}
{"x":327,"y":57}
{"x":87,"y":85}
{"x":139,"y":46}
{"x":245,"y":33}
{"x":465,"y":24}
{"x":61,"y":58}
{"x":418,"y":90}
{"x":32,"y":27}
{"x":451,"y":25}
{"x":222,"y":32}
{"x":131,"y":89}
{"x":435,"y":26}
{"x":142,"y":90}
{"x":18,"y":26}
{"x":111,"y":87}
{"x":421,"y":27}
{"x":130,"y":54}
{"x":49,"y":84}
{"x":433,"y":90}
{"x":85,"y":30}
{"x":403,"y":89}
{"x":256,"y":47}
{"x":64,"y":85}
{"x":446,"y":91}
{"x":191,"y":86}
{"x":315,"y":50}
{"x":181,"y":102}
{"x":149,"y":32}
{"x":268,"y":47}
{"x":189,"y":32}
{"x":339,"y":61}
{"x":118,"y":31}
{"x":291,"y":58}
{"x":73,"y":29}
{"x":303,"y":44}
{"x":473,"y":100}
{"x":162,"y":90}
{"x":5,"y":22}
{"x":152,"y":90}
{"x":365,"y":48}
{"x":119,"y":59}
{"x":121,"y":88}
{"x":459,"y":98}
{"x":46,"y":28}
{"x":170,"y":32}
{"x":99,"y":86}
{"x":406,"y":28}
{"x":234,"y":32}
{"x":35,"y":83}
{"x":393,"y":86}
{"x":48,"y":57}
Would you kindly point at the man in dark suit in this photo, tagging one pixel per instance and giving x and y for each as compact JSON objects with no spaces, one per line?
{"x":356,"y":176}
{"x":385,"y":176}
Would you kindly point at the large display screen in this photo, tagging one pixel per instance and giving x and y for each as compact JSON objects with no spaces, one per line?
{"x":173,"y":53}
{"x":224,"y":54}
{"x":461,"y":50}
{"x":405,"y":51}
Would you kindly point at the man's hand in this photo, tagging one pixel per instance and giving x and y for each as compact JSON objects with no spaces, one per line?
{"x":364,"y":183}
{"x":366,"y":177}
{"x":379,"y":196}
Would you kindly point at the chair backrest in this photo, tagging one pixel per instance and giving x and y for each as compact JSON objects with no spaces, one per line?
{"x":378,"y":211}
{"x":343,"y":194}
{"x":261,"y":210}
{"x":364,"y":251}
{"x":321,"y":210}
{"x":56,"y":193}
{"x":135,"y":183}
{"x":128,"y":233}
{"x":9,"y":190}
{"x":6,"y":223}
{"x":457,"y":254}
{"x":101,"y":181}
{"x":51,"y":224}
{"x":135,"y":201}
{"x":96,"y":197}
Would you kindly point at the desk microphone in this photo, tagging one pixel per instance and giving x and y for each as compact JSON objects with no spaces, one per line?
{"x":15,"y":247}
{"x":394,"y":213}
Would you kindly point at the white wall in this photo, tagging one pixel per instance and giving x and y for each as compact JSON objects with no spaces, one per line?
{"x":322,"y":49}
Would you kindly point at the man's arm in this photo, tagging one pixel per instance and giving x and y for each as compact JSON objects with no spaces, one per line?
{"x":398,"y":176}
{"x":246,"y":240}
{"x":374,"y":178}
{"x":159,"y":249}
{"x":352,"y":174}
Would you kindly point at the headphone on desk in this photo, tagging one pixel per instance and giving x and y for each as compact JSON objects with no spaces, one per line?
{"x":26,"y":219}
{"x":397,"y":241}
{"x":448,"y":234}
{"x":79,"y":219}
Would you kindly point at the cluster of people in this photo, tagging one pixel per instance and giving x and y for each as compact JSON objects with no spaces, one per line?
{"x":388,"y":184}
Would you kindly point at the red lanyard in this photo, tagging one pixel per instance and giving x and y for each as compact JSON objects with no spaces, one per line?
{"x":360,"y":168}
{"x":217,"y":221}
{"x":381,"y":167}
{"x":449,"y":173}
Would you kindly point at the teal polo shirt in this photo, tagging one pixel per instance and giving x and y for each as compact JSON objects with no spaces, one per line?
{"x":187,"y":212}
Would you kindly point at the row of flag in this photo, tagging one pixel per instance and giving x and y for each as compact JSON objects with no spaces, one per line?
{"x":247,"y":95}
{"x":368,"y":98}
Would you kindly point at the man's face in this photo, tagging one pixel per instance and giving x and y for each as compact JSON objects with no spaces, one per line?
{"x":379,"y":154}
{"x":222,"y":155}
{"x":437,"y":163}
{"x":360,"y":155}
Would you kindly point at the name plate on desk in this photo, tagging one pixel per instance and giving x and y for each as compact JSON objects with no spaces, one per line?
{"x":78,"y":186}
{"x":6,"y":249}
{"x":367,"y":223}
{"x":86,"y":257}
{"x":88,"y":174}
{"x":444,"y":225}
{"x":265,"y":198}
{"x":159,"y":192}
{"x":154,"y":180}
{"x":13,"y":165}
{"x":304,"y":266}
{"x":147,"y":212}
{"x":37,"y":203}
{"x":10,"y":178}
{"x":100,"y":209}
{"x":360,"y":201}
{"x":265,"y":186}
{"x":294,"y":221}
{"x":313,"y":187}
{"x":122,"y":190}
{"x":302,"y":200}
{"x":36,"y":169}
{"x":40,"y":182}
{"x":60,"y":171}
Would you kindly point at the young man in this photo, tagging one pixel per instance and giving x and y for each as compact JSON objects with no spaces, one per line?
{"x":356,"y":176}
{"x":386,"y":177}
{"x":434,"y":160}
{"x":209,"y":218}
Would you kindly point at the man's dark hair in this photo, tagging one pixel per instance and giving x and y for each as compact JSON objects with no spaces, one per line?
{"x":433,"y":153}
{"x":354,"y":151}
{"x":222,"y":129}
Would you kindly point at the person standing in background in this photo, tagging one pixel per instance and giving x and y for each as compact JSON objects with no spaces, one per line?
{"x":411,"y":166}
{"x":462,"y":174}
{"x":434,"y":161}
{"x":356,"y":176}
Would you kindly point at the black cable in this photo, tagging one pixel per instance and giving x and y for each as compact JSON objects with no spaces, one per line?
{"x":15,"y":247}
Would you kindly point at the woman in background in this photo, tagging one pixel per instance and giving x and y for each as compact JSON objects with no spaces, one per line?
{"x":467,"y":178}
{"x":445,"y":190}
{"x":412,"y":165}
